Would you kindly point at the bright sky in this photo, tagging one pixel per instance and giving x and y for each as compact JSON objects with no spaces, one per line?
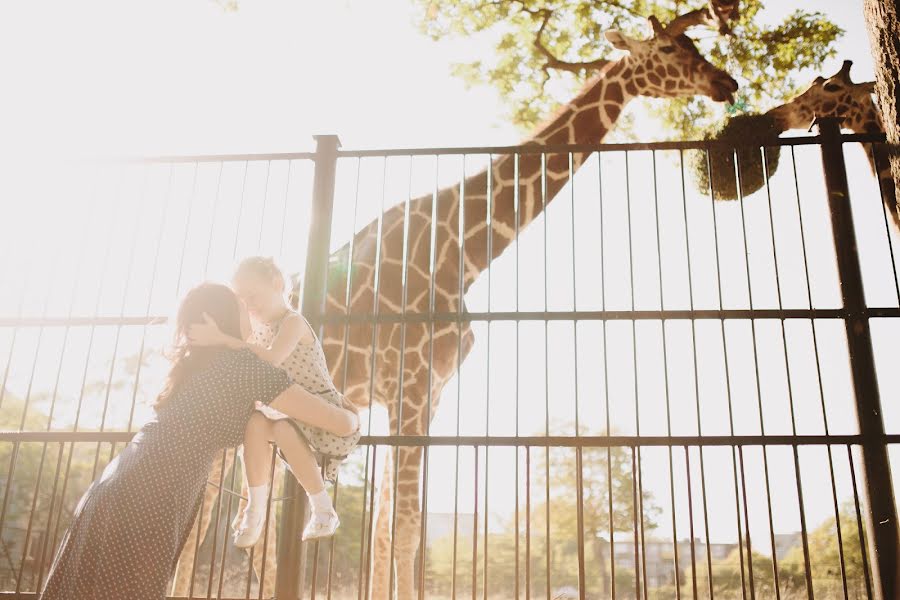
{"x":187,"y":77}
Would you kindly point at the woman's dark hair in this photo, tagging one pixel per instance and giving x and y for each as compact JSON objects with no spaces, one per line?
{"x":220,"y":303}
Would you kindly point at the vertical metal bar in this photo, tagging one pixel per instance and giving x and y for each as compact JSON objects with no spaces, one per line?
{"x":212,"y":219}
{"x":881,"y":511}
{"x":743,"y":482}
{"x":265,"y":200}
{"x":287,"y":189}
{"x":579,"y":472}
{"x":579,"y":516}
{"x":487,"y":408}
{"x":379,"y":230}
{"x":812,"y":324}
{"x":859,"y":526}
{"x":612,"y":549}
{"x":662,"y":306}
{"x":291,"y":552}
{"x":227,"y":519}
{"x":237,"y":227}
{"x":516,"y":198}
{"x":734,"y":463}
{"x":690,"y":499}
{"x":332,"y":542}
{"x":690,"y":282}
{"x":475,"y":529}
{"x":432,"y":257}
{"x":348,"y":301}
{"x":368,"y":565}
{"x":546,"y":385}
{"x":528,"y":522}
{"x":261,"y":579}
{"x":404,"y":298}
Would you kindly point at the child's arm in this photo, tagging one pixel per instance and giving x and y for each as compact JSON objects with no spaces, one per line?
{"x":293,"y":330}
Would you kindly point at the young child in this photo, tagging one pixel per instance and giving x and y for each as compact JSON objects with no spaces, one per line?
{"x":312,"y":439}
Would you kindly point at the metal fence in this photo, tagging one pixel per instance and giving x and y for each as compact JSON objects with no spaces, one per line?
{"x":669,"y":395}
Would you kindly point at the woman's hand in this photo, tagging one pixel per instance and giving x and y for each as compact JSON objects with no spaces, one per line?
{"x":206,"y":334}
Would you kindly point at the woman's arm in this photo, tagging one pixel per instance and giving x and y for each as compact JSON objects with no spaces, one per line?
{"x":293,"y":330}
{"x":308,"y":408}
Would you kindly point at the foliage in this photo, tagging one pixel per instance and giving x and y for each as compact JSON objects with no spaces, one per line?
{"x":765,"y":58}
{"x":740,"y":129}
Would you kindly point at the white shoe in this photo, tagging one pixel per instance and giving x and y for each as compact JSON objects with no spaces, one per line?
{"x":321,"y":525}
{"x":249,"y":529}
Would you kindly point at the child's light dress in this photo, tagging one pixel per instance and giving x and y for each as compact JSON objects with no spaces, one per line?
{"x":307,"y":367}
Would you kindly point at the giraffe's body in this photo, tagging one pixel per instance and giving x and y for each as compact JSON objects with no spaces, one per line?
{"x":412,"y":362}
{"x":838,"y":96}
{"x":404,"y":367}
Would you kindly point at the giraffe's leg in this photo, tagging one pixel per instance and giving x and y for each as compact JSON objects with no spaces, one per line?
{"x":409,"y":520}
{"x":185,"y":570}
{"x":381,"y":553}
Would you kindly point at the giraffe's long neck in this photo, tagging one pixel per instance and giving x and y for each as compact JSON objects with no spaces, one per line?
{"x":522,"y":186}
{"x":517,"y":191}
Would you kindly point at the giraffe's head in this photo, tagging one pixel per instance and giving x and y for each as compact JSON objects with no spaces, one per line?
{"x":835,"y":96}
{"x":668,"y":64}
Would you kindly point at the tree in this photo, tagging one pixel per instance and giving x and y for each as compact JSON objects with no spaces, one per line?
{"x":765,"y":59}
{"x":562,"y":547}
{"x":825,"y":559}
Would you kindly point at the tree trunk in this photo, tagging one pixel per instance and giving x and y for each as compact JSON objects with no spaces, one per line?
{"x":883,"y":23}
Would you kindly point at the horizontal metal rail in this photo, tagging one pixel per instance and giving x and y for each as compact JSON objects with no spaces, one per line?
{"x":581,"y":315}
{"x":498,"y":150}
{"x":585,"y":441}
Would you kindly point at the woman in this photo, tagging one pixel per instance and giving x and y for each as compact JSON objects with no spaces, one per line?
{"x":131,"y":524}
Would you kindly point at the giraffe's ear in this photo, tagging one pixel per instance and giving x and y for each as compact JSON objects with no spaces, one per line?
{"x":869,"y":86}
{"x":618,"y":40}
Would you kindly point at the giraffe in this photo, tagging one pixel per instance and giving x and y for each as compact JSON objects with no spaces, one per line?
{"x":404,"y":367}
{"x":665,"y":65}
{"x":839,"y":96}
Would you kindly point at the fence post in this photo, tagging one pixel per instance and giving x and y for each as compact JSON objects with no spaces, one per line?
{"x":291,"y":552}
{"x":881,"y":511}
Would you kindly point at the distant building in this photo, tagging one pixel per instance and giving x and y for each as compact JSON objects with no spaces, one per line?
{"x":659,"y":555}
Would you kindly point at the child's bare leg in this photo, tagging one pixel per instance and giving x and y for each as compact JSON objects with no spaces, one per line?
{"x":323,"y":521}
{"x":317,"y":412}
{"x":256,"y":461}
{"x":257,"y":435}
{"x":300,"y":458}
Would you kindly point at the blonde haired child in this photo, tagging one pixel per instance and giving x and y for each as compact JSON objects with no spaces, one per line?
{"x":314,"y":437}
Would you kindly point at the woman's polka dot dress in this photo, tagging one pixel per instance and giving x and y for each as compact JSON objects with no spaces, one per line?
{"x":130,"y":525}
{"x":307,"y":367}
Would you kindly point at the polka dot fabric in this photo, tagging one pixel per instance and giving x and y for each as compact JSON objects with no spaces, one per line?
{"x":307,"y":367}
{"x":131,"y":524}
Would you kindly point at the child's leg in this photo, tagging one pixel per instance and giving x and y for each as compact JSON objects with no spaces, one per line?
{"x":256,"y":459}
{"x":300,"y":458}
{"x":257,"y":454}
{"x":308,"y":408}
{"x":323,"y":521}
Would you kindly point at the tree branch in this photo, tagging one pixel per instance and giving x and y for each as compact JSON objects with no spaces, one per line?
{"x":552,"y":61}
